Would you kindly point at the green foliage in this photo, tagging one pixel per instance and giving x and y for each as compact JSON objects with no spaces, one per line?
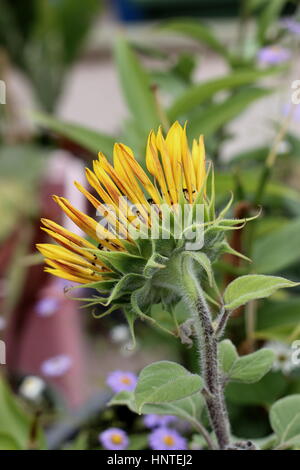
{"x":251,"y":287}
{"x":198,"y":31}
{"x":15,"y":424}
{"x":246,"y":369}
{"x":285,"y":421}
{"x":188,"y":409}
{"x":136,"y":88}
{"x":47,"y":42}
{"x":277,"y":250}
{"x":164,"y":382}
{"x":88,"y":139}
{"x":202,"y":92}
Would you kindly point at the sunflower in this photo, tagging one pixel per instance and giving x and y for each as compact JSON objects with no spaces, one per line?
{"x":130,"y":270}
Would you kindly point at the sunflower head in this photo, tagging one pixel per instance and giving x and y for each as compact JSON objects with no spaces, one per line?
{"x":147,"y":222}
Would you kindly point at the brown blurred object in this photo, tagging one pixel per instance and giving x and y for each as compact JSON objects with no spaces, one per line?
{"x":31,"y":338}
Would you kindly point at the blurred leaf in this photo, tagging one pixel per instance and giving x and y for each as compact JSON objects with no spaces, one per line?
{"x":138,"y":441}
{"x":90,"y":140}
{"x":79,"y":443}
{"x":74,"y":20}
{"x":198,"y":31}
{"x":251,"y":156}
{"x":15,"y":425}
{"x":7,"y":442}
{"x":164,"y":382}
{"x":251,"y":287}
{"x":285,"y":420}
{"x":268,"y":17}
{"x":199,"y":93}
{"x":266,"y":391}
{"x":136,"y":87}
{"x":208,"y":121}
{"x":277,"y":250}
{"x":20,"y":172}
{"x":277,"y":314}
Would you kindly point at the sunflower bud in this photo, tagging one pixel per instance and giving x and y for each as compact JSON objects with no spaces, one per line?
{"x":147,"y":223}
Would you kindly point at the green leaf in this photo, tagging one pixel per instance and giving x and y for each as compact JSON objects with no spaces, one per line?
{"x":198,"y":94}
{"x":122,"y":262}
{"x":164,"y":382}
{"x":272,"y":253}
{"x":196,"y":30}
{"x":268,"y":17}
{"x":253,"y":286}
{"x":188,"y":409}
{"x":251,"y":368}
{"x":89,"y":139}
{"x":227,"y":355}
{"x":204,"y":262}
{"x":7,"y":442}
{"x":285,"y":419}
{"x":246,"y":369}
{"x":209,"y":120}
{"x":136,"y":87}
{"x":15,"y":424}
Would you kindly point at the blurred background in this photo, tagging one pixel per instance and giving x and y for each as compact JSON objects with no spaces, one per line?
{"x":78,"y":76}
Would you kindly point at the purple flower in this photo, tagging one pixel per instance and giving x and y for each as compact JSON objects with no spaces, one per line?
{"x":294,"y":110}
{"x":273,"y":55}
{"x":56,"y":366}
{"x":121,"y":380}
{"x":166,"y":439}
{"x":291,"y":25}
{"x":114,"y":439}
{"x":47,"y":306}
{"x":155,"y":421}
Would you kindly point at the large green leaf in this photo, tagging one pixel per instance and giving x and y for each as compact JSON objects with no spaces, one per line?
{"x":165,"y":382}
{"x":246,"y":369}
{"x":251,"y":287}
{"x":277,"y":250}
{"x":89,"y":139}
{"x":189,"y":409}
{"x":209,"y":120}
{"x":204,"y":91}
{"x":285,"y":420}
{"x":136,"y":87}
{"x":279,"y":313}
{"x":251,"y":368}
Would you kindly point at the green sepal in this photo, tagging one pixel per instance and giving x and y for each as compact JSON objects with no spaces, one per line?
{"x":122,"y":262}
{"x":154,"y":264}
{"x":226,"y":248}
{"x":202,"y":259}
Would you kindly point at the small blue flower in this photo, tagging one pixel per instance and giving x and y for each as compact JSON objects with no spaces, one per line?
{"x":167,"y":439}
{"x":47,"y":306}
{"x":291,"y":25}
{"x":121,"y":380}
{"x":114,"y":439}
{"x":273,"y":55}
{"x":56,"y":366}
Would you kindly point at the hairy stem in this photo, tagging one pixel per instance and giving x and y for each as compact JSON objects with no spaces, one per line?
{"x":208,"y":345}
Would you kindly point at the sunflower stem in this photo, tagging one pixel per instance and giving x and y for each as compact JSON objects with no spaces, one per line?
{"x":208,"y":346}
